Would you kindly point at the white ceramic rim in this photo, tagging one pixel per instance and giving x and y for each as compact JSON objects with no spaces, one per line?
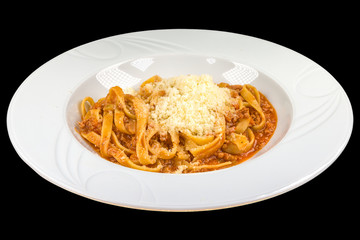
{"x":306,"y":83}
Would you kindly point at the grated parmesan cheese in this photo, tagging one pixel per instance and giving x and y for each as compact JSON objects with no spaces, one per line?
{"x":190,"y":102}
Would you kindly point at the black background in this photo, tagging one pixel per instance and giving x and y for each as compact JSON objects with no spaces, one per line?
{"x":325,"y":34}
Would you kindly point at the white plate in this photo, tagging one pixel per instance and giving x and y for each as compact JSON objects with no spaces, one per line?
{"x":309,"y":101}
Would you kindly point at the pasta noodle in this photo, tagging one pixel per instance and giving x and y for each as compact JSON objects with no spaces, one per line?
{"x":130,"y":130}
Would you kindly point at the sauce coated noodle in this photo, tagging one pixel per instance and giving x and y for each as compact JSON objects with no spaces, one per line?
{"x":119,"y":128}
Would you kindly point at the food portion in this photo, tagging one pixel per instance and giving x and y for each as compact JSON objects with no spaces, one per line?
{"x":182,"y":124}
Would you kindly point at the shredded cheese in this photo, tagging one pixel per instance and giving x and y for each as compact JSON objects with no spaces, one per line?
{"x":189,"y":103}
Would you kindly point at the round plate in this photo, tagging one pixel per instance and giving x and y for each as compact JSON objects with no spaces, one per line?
{"x":308,"y":100}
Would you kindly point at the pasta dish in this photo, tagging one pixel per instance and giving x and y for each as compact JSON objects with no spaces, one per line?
{"x":182,"y":124}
